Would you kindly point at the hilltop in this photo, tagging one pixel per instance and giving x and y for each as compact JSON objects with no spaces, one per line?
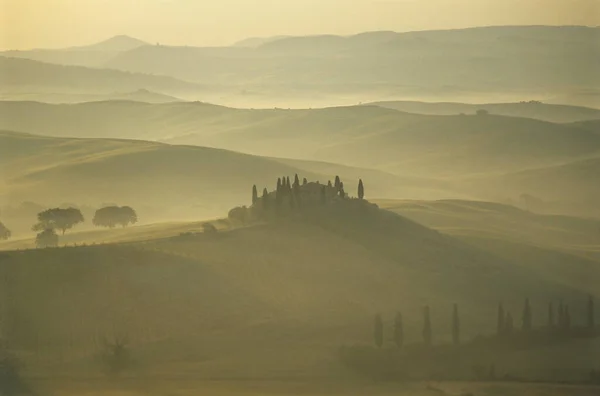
{"x":532,"y":109}
{"x":18,"y":76}
{"x":297,"y":288}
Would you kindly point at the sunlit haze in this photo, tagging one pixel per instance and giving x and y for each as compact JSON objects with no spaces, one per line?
{"x":61,"y":23}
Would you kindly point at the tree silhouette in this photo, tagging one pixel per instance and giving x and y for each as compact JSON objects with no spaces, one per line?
{"x":341,"y":190}
{"x":296,"y":180}
{"x":59,"y":219}
{"x":427,"y":332}
{"x":378,"y":331}
{"x":255,"y":193}
{"x":329,"y":184}
{"x":550,"y":315}
{"x":500,"y":326}
{"x":111,"y":216}
{"x":337,"y":182}
{"x":265,"y":199}
{"x":508,"y":324}
{"x":46,"y":238}
{"x":361,"y":189}
{"x":288,"y":184}
{"x":399,"y":330}
{"x":590,"y":313}
{"x":455,"y":326}
{"x":4,"y":232}
{"x":305,"y":181}
{"x":527,"y":316}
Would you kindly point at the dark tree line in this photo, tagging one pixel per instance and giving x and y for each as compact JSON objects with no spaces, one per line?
{"x":505,"y":326}
{"x":4,"y":232}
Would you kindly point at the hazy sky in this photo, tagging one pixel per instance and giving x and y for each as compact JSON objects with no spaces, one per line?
{"x":59,"y":23}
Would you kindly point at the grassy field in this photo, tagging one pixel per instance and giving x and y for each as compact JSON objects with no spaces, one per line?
{"x":186,"y":387}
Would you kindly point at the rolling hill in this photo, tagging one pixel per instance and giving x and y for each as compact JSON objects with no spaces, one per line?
{"x":291,"y":290}
{"x":93,"y":55}
{"x":23,"y":76}
{"x":163,"y":182}
{"x":488,"y":157}
{"x":536,"y":110}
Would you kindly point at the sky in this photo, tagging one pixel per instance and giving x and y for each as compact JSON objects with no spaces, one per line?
{"x":28,"y":24}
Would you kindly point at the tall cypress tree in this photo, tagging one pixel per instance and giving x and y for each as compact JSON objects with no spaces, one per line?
{"x":550,"y":315}
{"x":508,"y":324}
{"x":341,"y":190}
{"x":265,"y":199}
{"x":527,"y":316}
{"x":278,"y":184}
{"x":590,"y":313}
{"x":399,"y":330}
{"x":305,"y":182}
{"x":455,"y":326}
{"x":337,"y":182}
{"x":361,"y":189}
{"x":378,"y":331}
{"x":288,"y":185}
{"x":427,"y":332}
{"x":329,"y":184}
{"x":254,"y":194}
{"x":500,"y":326}
{"x":296,"y":180}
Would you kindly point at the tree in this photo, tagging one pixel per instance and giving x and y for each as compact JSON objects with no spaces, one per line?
{"x":341,"y":190}
{"x":209,"y":228}
{"x":112,"y":216}
{"x":46,"y":238}
{"x":4,"y":232}
{"x":500,"y":326}
{"x":527,"y":316}
{"x":288,"y":184}
{"x":296,"y":180}
{"x":590,"y":313}
{"x":337,"y":182}
{"x":378,"y":331}
{"x":508,"y":324}
{"x":58,"y":219}
{"x":255,"y":193}
{"x":550,"y":315}
{"x":427,"y":333}
{"x":304,"y":181}
{"x":361,"y":189}
{"x":238,"y":214}
{"x":265,"y":199}
{"x":455,"y":326}
{"x":399,"y":330}
{"x":329,"y":184}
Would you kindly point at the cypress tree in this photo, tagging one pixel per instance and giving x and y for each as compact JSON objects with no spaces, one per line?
{"x":329,"y":184}
{"x":427,"y":333}
{"x":296,"y":180}
{"x":265,"y":199}
{"x":561,"y":315}
{"x":378,"y":331}
{"x":590,"y":313}
{"x":550,"y":315}
{"x":288,"y":185}
{"x":508,"y":324}
{"x":254,"y":194}
{"x":278,"y":184}
{"x":337,"y":182}
{"x":527,"y":316}
{"x":361,"y":189}
{"x":455,"y":326}
{"x":500,"y":324}
{"x":341,"y":190}
{"x":305,"y":182}
{"x":399,"y":330}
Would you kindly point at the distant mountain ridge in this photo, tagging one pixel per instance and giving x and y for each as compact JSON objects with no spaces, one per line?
{"x":114,"y":44}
